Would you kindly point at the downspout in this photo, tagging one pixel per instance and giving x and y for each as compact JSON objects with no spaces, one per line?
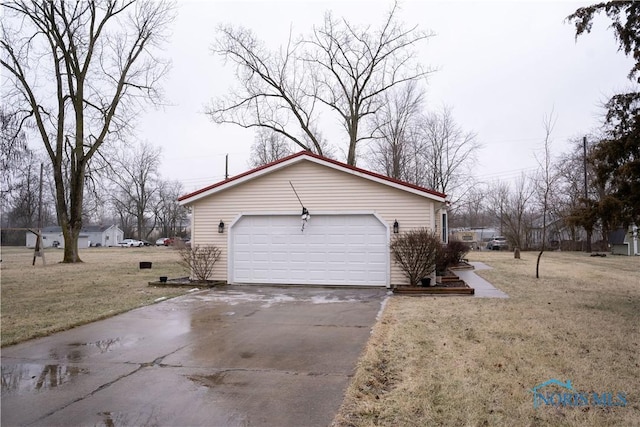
{"x":443,"y":206}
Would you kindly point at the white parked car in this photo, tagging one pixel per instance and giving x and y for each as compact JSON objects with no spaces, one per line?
{"x":498,"y":243}
{"x":130,"y":243}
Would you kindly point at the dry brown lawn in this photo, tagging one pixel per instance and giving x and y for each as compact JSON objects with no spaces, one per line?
{"x":42,"y":299}
{"x":462,"y":361}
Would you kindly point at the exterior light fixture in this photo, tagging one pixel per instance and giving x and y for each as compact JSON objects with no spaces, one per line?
{"x":396,"y":227}
{"x":221,"y":227}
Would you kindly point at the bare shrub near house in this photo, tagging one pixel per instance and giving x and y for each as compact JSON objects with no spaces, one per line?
{"x":416,"y":252}
{"x":451,"y":254}
{"x":200,"y":260}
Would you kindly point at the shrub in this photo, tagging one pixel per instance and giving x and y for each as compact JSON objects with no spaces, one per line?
{"x":200,"y":260}
{"x":451,"y":254}
{"x":416,"y":252}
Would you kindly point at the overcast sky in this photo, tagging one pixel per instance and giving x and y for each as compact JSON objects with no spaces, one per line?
{"x":501,"y":66}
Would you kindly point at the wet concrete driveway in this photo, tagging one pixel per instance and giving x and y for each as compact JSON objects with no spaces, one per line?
{"x":243,"y":356}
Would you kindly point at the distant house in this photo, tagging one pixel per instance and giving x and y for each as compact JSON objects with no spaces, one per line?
{"x":624,"y":242}
{"x":559,"y":235}
{"x":91,"y":235}
{"x":103,"y":235}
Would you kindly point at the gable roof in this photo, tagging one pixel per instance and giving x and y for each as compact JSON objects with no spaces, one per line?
{"x":314,"y":158}
{"x":616,"y":237}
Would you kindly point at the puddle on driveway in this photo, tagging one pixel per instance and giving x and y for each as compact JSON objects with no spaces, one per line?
{"x":31,"y":377}
{"x":214,"y":380}
{"x":267,"y":300}
{"x":80,"y":350}
{"x":102,"y":346}
{"x":76,"y":352}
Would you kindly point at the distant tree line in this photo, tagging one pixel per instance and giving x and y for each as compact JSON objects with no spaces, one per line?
{"x":580,"y":195}
{"x":125,"y":188}
{"x":79,"y":72}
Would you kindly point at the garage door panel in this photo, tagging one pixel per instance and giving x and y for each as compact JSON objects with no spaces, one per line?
{"x":332,"y":249}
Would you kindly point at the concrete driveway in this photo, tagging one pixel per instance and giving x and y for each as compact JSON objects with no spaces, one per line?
{"x":242,"y":356}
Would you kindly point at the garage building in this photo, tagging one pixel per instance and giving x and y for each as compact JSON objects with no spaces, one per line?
{"x":306,"y":219}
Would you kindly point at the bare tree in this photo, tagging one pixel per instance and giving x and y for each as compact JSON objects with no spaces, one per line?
{"x":272,"y":94}
{"x":136,"y":181}
{"x":569,"y":168}
{"x":471,"y":210}
{"x":576,"y":173}
{"x":268,"y":147}
{"x":448,"y":153}
{"x":392,"y":149}
{"x":22,"y":206}
{"x":340,"y":67}
{"x":13,"y":145}
{"x":80,"y":71}
{"x":545,"y":181}
{"x":512,"y":207}
{"x":14,"y":156}
{"x":519,"y":215}
{"x":170,"y":215}
{"x":498,"y":194}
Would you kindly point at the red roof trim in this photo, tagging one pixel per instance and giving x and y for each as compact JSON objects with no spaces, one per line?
{"x":324,"y":159}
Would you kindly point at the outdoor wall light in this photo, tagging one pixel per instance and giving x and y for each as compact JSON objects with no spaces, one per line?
{"x":396,"y":227}
{"x":221,"y":227}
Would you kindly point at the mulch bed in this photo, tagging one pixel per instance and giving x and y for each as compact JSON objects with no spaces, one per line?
{"x":463,"y":265}
{"x":433,"y":290}
{"x":186,"y":282}
{"x":450,"y":284}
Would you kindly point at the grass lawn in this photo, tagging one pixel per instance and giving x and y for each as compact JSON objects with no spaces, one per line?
{"x":42,"y":299}
{"x":462,"y":361}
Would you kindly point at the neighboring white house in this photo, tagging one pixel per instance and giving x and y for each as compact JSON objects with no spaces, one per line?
{"x":625,"y":242}
{"x":92,"y":235}
{"x":100,"y":235}
{"x":256,"y":219}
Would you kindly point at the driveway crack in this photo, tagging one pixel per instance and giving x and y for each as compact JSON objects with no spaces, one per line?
{"x":156,"y":362}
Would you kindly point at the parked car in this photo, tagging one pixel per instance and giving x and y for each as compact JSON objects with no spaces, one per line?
{"x":130,"y":243}
{"x":497,"y":243}
{"x":163,"y":241}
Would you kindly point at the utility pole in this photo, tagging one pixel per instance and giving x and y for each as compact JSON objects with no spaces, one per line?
{"x":226,"y":166}
{"x":586,"y":194}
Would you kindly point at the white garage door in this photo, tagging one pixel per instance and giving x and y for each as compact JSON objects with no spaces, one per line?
{"x":332,"y":250}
